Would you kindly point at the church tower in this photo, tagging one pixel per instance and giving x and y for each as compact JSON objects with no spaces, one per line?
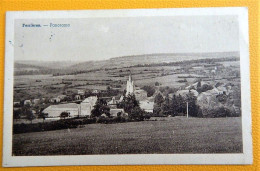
{"x":130,"y":87}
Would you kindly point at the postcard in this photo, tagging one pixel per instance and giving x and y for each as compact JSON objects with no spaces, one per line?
{"x":127,"y":87}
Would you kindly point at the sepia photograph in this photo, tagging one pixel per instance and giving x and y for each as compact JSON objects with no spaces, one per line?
{"x":125,"y":83}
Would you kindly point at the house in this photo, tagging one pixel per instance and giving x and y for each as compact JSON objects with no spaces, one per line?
{"x":223,"y":90}
{"x":54,"y":111}
{"x":55,"y":100}
{"x":81,"y":92}
{"x":147,"y":106}
{"x":114,"y":112}
{"x":77,"y":97}
{"x":27,"y":102}
{"x":112,"y":103}
{"x":95,"y":91}
{"x":186,"y":92}
{"x":140,"y":94}
{"x":195,"y":85}
{"x":17,"y":104}
{"x":36,"y":101}
{"x":62,"y":97}
{"x":87,"y":105}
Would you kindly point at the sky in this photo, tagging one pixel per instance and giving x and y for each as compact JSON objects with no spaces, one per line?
{"x":102,"y":38}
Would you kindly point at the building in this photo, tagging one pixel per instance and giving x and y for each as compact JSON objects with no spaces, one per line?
{"x":130,"y":87}
{"x":62,"y":97}
{"x":17,"y":104}
{"x":112,"y":103}
{"x":96,"y":91}
{"x":36,"y":101}
{"x":186,"y":92}
{"x":87,"y":105}
{"x":115,"y":112}
{"x":81,"y":92}
{"x":77,"y":97}
{"x":140,"y":94}
{"x":54,"y":111}
{"x":147,"y":106}
{"x":27,"y":102}
{"x":55,"y":100}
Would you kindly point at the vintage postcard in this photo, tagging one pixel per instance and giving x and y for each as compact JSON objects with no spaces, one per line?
{"x":127,"y":87}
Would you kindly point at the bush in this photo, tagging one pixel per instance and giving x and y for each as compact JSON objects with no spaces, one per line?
{"x":217,"y":113}
{"x":49,"y":126}
{"x":106,"y":120}
{"x":147,"y":116}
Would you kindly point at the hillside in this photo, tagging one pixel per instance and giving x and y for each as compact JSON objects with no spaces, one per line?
{"x":48,"y":67}
{"x":126,"y":61}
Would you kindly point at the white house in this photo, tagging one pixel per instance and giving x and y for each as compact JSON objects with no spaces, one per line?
{"x":147,"y":106}
{"x":54,"y":111}
{"x":87,"y":105}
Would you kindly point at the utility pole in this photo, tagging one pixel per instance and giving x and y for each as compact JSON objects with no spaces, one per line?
{"x":187,"y":109}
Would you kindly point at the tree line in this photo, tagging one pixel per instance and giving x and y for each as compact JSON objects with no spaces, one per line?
{"x":177,"y":105}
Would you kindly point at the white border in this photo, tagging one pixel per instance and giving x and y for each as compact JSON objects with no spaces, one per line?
{"x":131,"y":159}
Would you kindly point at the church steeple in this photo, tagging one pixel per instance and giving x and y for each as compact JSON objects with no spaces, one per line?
{"x":130,"y":88}
{"x":130,"y":77}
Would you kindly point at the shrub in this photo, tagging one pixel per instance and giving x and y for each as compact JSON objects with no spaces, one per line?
{"x":216,"y":112}
{"x":107,"y":120}
{"x":147,"y":116}
{"x":204,"y":88}
{"x":49,"y":126}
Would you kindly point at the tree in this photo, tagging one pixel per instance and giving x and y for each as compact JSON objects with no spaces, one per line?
{"x":129,"y":102}
{"x":16,"y":114}
{"x":100,"y":108}
{"x":165,"y":106}
{"x":204,"y":87}
{"x":158,"y":99}
{"x":193,"y":108}
{"x":157,"y":83}
{"x":29,"y":115}
{"x":131,"y":106}
{"x":149,"y":89}
{"x":158,"y":107}
{"x":180,"y":104}
{"x":137,"y":114}
{"x":199,"y":84}
{"x":174,"y":106}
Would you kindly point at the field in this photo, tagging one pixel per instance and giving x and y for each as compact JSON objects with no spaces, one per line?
{"x":175,"y":76}
{"x":158,"y":135}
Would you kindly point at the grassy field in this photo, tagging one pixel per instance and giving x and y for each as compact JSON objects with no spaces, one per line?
{"x":163,"y":135}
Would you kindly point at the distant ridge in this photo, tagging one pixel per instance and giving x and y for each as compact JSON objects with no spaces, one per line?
{"x":117,"y":62}
{"x":201,"y":54}
{"x":126,"y":61}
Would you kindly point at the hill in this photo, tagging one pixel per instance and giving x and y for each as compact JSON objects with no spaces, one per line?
{"x":49,"y":67}
{"x":126,"y":61}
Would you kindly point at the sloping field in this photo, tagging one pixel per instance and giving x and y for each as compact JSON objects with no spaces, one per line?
{"x":166,"y":135}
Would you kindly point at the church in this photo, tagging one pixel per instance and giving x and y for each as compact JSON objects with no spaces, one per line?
{"x":140,"y":95}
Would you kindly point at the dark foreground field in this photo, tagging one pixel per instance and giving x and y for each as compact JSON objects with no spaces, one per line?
{"x":166,"y":135}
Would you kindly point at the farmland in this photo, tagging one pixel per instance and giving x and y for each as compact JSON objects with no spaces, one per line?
{"x":173,"y":75}
{"x":157,"y":135}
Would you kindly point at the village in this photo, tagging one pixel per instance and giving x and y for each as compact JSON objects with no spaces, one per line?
{"x":211,"y":98}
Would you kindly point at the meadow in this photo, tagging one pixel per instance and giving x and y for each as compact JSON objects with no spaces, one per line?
{"x":157,"y":135}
